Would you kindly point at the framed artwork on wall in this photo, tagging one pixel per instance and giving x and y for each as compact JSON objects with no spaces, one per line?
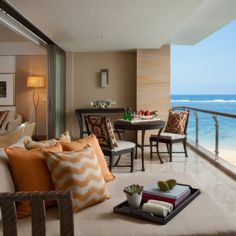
{"x":7,"y":89}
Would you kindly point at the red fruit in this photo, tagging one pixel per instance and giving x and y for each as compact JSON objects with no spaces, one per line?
{"x":141,"y":113}
{"x":147,"y":113}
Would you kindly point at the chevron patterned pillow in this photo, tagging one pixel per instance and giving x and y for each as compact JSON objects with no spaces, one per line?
{"x":79,"y":172}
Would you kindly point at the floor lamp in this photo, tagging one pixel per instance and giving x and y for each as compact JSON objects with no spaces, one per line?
{"x":36,"y":82}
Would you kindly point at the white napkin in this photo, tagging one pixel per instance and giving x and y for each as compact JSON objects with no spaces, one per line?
{"x":155,"y":209}
{"x":169,"y":206}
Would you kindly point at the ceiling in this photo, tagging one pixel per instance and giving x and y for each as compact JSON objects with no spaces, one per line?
{"x":7,"y":35}
{"x":107,"y":25}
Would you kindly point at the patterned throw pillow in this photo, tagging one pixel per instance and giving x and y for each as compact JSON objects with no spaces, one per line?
{"x":176,"y":122}
{"x":30,"y":144}
{"x":3,"y":115}
{"x":64,"y":137}
{"x":79,"y":172}
{"x":102,"y":128}
{"x":84,"y":142}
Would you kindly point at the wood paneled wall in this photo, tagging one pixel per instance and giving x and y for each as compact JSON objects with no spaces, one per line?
{"x":153,"y":80}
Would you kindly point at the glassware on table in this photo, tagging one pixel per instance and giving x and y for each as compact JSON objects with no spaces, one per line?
{"x":124,"y":117}
{"x":129,"y":114}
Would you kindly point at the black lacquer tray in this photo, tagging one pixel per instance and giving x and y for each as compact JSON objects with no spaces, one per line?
{"x":124,"y":208}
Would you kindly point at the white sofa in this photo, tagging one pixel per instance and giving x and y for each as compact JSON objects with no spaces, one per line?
{"x":10,"y":138}
{"x":11,"y":122}
{"x":202,"y":217}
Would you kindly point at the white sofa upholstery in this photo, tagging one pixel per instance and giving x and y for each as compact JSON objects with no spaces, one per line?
{"x":12,"y":137}
{"x":202,"y":217}
{"x":11,"y":122}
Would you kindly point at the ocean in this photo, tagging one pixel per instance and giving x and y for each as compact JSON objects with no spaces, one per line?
{"x":221,"y":103}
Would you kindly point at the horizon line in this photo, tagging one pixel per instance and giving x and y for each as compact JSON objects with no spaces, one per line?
{"x":204,"y":94}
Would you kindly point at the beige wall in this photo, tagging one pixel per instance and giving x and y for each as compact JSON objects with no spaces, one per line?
{"x":27,"y":65}
{"x":136,"y":79}
{"x":84,"y":86}
{"x":153,"y":80}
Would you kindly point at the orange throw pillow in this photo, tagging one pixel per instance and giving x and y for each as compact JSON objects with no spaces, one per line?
{"x":84,"y":142}
{"x":30,"y":173}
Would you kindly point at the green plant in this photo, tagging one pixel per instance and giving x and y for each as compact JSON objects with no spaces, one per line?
{"x":134,"y":188}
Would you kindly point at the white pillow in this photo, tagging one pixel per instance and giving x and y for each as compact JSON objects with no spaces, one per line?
{"x":10,"y":116}
{"x":20,"y":142}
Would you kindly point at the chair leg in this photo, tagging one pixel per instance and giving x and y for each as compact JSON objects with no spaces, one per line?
{"x":158,"y":154}
{"x":117,"y":162}
{"x":132,"y":160}
{"x":185,"y":149}
{"x":167,"y":147}
{"x":111,"y":162}
{"x":170,"y":152}
{"x":151,"y":149}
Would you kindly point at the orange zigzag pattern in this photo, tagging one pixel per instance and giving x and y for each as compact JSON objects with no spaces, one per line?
{"x":72,"y":181}
{"x":58,"y":159}
{"x":76,"y":208}
{"x":74,"y":170}
{"x":83,"y":197}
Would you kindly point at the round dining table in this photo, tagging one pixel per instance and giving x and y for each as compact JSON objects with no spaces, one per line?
{"x":122,"y":125}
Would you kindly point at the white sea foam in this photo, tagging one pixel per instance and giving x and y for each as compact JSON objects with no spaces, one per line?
{"x":206,"y":101}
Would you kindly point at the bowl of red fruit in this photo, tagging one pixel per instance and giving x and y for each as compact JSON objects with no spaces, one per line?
{"x":146,"y":115}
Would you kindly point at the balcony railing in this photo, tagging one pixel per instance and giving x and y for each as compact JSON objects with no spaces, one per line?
{"x":215,"y":119}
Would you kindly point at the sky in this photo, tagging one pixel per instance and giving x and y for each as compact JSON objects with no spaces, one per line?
{"x":208,"y":67}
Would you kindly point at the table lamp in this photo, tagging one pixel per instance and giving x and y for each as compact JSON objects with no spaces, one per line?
{"x":36,"y":82}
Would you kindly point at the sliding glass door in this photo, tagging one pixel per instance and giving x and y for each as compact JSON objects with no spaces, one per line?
{"x":56,"y":91}
{"x":56,"y":76}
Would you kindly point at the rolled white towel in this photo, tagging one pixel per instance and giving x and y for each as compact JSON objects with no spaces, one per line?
{"x":169,"y":206}
{"x":155,"y":209}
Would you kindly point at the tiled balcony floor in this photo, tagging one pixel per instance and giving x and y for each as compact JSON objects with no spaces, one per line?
{"x":216,"y":183}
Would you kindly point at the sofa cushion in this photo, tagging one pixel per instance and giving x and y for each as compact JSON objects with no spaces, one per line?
{"x":92,"y":140}
{"x":3,"y":115}
{"x":30,"y":173}
{"x":11,"y":115}
{"x":64,"y":137}
{"x":79,"y":172}
{"x":30,"y":144}
{"x":201,"y":217}
{"x":20,"y":142}
{"x":6,"y":181}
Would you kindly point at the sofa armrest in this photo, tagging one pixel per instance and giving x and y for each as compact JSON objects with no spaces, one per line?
{"x":13,"y":124}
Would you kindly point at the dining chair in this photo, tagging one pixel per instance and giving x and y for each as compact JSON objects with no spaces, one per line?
{"x":101,"y":127}
{"x":174,"y":132}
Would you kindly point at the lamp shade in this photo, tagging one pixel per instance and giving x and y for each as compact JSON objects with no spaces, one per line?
{"x":36,"y":81}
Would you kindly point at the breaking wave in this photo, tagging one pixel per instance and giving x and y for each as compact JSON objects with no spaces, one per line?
{"x":206,"y":101}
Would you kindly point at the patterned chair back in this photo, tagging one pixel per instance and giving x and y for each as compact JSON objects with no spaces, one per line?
{"x":177,"y":122}
{"x":99,"y":126}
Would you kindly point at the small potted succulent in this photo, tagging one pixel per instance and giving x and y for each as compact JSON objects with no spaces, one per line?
{"x":134,"y":195}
